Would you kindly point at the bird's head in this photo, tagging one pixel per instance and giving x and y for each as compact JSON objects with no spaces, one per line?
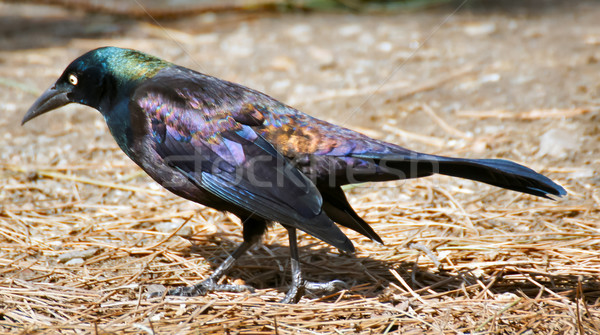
{"x":96,"y":78}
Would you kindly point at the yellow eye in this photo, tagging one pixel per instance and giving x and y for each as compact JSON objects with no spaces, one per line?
{"x":73,"y":79}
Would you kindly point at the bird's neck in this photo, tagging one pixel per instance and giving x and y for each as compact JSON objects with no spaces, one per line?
{"x":119,"y":124}
{"x":115,"y":109}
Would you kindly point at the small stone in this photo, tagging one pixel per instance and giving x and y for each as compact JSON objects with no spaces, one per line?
{"x":385,"y":46}
{"x":239,"y":281}
{"x":557,"y":143}
{"x":582,"y":173}
{"x":480,"y":29}
{"x":507,"y":296}
{"x":75,"y":261}
{"x":350,"y":30}
{"x":301,"y":32}
{"x":155,"y":288}
{"x":77,"y":254}
{"x":283,"y":63}
{"x":156,"y":317}
{"x":479,"y":146}
{"x":322,"y":56}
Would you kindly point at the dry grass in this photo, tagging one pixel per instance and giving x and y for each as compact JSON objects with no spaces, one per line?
{"x":84,"y":235}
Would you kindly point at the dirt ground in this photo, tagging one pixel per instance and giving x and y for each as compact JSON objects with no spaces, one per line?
{"x":84,"y":234}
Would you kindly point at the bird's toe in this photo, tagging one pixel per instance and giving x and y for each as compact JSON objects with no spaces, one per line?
{"x":330,"y":286}
{"x":202,"y":288}
{"x":296,"y":292}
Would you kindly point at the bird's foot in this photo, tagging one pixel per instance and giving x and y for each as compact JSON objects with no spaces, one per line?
{"x":296,"y":291}
{"x":202,"y":288}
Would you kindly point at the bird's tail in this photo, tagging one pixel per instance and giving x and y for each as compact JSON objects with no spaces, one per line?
{"x":497,"y":172}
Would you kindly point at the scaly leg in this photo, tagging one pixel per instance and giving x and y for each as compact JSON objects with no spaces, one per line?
{"x":210,"y":283}
{"x":253,"y":230}
{"x":298,"y":286}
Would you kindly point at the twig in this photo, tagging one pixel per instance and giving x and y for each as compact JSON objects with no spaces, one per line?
{"x":408,"y":288}
{"x":444,"y":125}
{"x":506,"y":308}
{"x":535,"y":114}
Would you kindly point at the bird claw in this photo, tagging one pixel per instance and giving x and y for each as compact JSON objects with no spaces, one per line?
{"x":297,"y":291}
{"x":202,"y":288}
{"x":329,"y":286}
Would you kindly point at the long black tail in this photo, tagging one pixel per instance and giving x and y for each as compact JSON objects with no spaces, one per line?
{"x":497,"y":172}
{"x":408,"y":164}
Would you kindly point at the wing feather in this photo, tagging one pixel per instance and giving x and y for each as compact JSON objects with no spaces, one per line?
{"x":204,"y":139}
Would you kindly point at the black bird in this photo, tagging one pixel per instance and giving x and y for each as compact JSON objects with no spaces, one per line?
{"x":232,"y":148}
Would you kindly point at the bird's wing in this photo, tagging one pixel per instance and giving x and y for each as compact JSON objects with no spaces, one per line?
{"x":200,"y":129}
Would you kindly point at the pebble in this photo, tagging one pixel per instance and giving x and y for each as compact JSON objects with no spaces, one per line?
{"x":77,"y":256}
{"x":557,"y":143}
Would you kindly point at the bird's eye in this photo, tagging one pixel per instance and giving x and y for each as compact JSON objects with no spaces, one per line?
{"x":73,"y":79}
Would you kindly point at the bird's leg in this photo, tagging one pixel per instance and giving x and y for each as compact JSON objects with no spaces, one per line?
{"x":298,"y":284}
{"x":210,"y":283}
{"x":297,"y":288}
{"x":253,"y":230}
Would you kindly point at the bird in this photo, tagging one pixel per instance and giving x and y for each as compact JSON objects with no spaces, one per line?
{"x":232,"y":148}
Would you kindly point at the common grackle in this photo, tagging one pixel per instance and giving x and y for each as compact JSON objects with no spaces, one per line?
{"x":232,"y":148}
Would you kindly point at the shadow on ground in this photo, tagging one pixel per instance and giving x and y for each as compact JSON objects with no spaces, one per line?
{"x":370,"y":277}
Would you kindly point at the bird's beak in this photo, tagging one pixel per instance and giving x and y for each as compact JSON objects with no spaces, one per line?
{"x":53,"y":98}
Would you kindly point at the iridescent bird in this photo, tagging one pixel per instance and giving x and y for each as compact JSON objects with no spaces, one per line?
{"x":232,"y":148}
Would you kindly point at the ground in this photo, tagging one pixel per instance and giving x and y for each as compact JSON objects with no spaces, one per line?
{"x":84,"y":233}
